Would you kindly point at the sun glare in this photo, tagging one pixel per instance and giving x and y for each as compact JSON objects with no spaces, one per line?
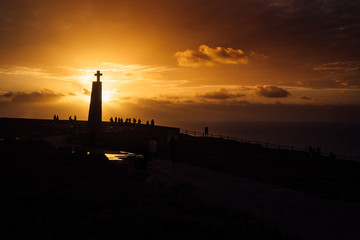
{"x":106,"y":96}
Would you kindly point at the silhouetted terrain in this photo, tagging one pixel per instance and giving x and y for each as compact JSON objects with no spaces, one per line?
{"x":56,"y":193}
{"x":314,"y":174}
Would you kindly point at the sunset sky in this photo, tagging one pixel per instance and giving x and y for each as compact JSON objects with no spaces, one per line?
{"x":278,"y":60}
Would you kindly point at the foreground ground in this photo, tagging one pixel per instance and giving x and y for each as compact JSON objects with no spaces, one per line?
{"x":52,"y":193}
{"x":65,"y":193}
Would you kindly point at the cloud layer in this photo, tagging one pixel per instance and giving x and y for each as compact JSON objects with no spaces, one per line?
{"x":207,"y":56}
{"x":221,"y":94}
{"x":271,"y":91}
{"x":41,"y":96}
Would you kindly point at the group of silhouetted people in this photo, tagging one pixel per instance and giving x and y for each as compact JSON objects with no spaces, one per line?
{"x":56,"y":117}
{"x":129,"y":120}
{"x":72,"y":119}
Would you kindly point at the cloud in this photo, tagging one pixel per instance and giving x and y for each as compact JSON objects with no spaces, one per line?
{"x":86,"y":92}
{"x":220,"y":94}
{"x":349,"y":66}
{"x":207,"y":56}
{"x":7,"y":95}
{"x":305,"y":98}
{"x":256,"y":55}
{"x":45,"y":95}
{"x":270,"y":91}
{"x":242,"y":110}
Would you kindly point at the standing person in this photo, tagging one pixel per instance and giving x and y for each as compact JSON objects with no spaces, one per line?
{"x":152,"y":149}
{"x":152,"y":122}
{"x":206,"y":131}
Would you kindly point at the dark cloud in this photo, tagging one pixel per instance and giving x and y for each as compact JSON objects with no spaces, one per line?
{"x":41,"y":96}
{"x":220,"y":94}
{"x":305,"y":98}
{"x":7,"y":95}
{"x":270,"y":91}
{"x":207,"y":56}
{"x":86,"y":92}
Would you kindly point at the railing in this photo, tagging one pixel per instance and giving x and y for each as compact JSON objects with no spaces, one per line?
{"x":267,"y":144}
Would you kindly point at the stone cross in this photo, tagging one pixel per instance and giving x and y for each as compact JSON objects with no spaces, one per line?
{"x":98,"y":74}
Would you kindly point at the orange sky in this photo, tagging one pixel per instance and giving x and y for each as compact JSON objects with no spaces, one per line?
{"x":193,"y":60}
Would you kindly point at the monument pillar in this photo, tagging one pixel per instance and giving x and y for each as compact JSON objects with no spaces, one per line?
{"x":95,"y":110}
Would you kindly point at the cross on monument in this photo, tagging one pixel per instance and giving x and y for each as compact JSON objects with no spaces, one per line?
{"x":98,"y":74}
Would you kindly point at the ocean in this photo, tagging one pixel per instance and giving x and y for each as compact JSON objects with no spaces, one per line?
{"x":341,"y":138}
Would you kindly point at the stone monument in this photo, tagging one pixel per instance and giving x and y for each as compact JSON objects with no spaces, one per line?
{"x":95,"y":110}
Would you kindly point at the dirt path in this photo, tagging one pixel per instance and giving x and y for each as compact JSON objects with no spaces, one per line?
{"x":292,"y":211}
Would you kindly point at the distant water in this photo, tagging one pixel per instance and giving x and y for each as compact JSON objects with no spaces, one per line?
{"x":337,"y":137}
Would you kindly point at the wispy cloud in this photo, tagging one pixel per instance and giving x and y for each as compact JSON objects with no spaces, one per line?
{"x":220,"y":94}
{"x":207,"y":56}
{"x":349,"y":66}
{"x":22,"y":70}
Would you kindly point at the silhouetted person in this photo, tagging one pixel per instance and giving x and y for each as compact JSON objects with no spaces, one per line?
{"x":111,"y":120}
{"x":134,"y":120}
{"x":152,"y":150}
{"x":147,"y":123}
{"x":57,"y":117}
{"x":54,"y":117}
{"x":75,"y":118}
{"x":139,"y":121}
{"x":70,"y":119}
{"x":152,"y":122}
{"x":116,"y":119}
{"x":206,"y":131}
{"x":121,"y":120}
